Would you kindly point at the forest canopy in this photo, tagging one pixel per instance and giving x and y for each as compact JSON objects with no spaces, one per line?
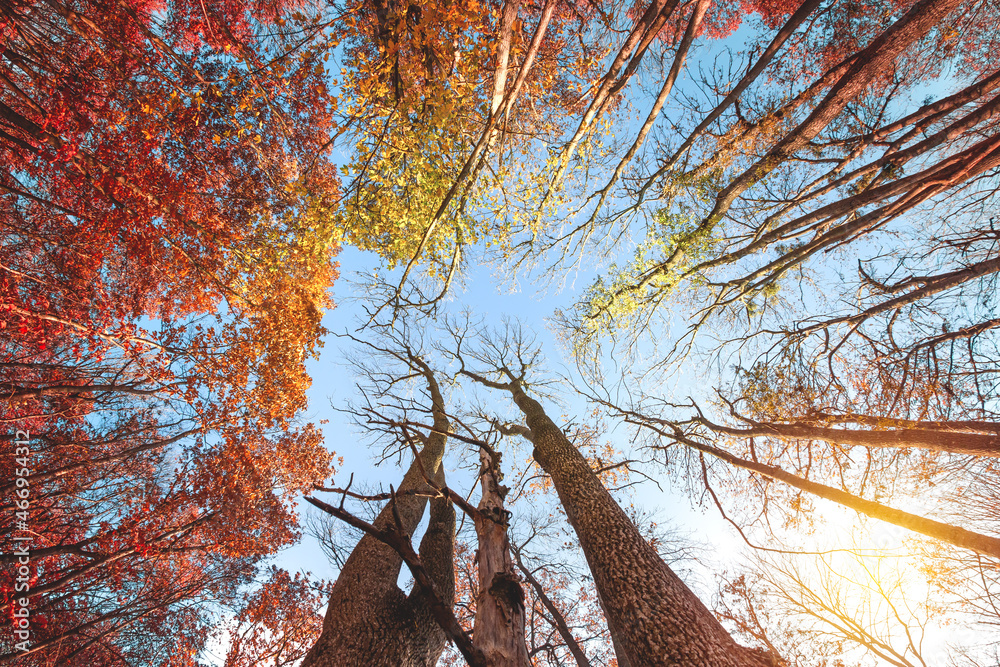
{"x":763,"y":234}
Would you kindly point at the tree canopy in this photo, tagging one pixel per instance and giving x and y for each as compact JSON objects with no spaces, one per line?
{"x":781,"y":219}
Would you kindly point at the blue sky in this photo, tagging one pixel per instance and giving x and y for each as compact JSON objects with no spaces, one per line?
{"x":720,"y":547}
{"x":334,"y":385}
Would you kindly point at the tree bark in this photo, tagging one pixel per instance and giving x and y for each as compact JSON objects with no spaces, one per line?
{"x":987,"y":545}
{"x":935,"y":440}
{"x":871,"y":62}
{"x":952,"y":426}
{"x":506,"y":33}
{"x":500,"y":618}
{"x":437,"y":553}
{"x":654,"y":617}
{"x":369,"y":620}
{"x":645,"y":30}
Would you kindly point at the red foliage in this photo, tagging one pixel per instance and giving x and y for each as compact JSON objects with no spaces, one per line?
{"x":279,"y":623}
{"x":158,"y":300}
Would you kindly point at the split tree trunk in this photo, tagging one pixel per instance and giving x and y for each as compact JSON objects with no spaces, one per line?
{"x":369,"y":620}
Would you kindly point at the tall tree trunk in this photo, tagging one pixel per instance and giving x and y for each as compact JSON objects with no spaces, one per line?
{"x":870,"y":63}
{"x":794,"y":21}
{"x":654,"y":617}
{"x":951,"y":426}
{"x":437,"y":553}
{"x":645,"y":30}
{"x":369,"y":620}
{"x":506,"y":33}
{"x":500,"y":617}
{"x":935,"y":440}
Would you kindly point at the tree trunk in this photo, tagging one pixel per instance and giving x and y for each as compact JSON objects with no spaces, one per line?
{"x":952,"y":442}
{"x":653,"y":616}
{"x":959,"y":537}
{"x":870,"y":63}
{"x":645,"y":30}
{"x":437,"y":553}
{"x":369,"y":620}
{"x":507,"y":19}
{"x":500,"y":618}
{"x":953,"y":426}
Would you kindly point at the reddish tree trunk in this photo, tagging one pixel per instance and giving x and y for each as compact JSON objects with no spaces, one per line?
{"x":500,"y":618}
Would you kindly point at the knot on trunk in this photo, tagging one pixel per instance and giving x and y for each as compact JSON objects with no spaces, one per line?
{"x":506,"y":590}
{"x":497,"y":515}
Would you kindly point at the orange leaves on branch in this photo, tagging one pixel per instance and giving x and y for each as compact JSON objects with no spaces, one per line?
{"x":279,"y":623}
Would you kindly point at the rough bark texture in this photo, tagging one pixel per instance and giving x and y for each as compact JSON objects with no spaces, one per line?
{"x":500,"y":619}
{"x":369,"y":620}
{"x":437,"y":553}
{"x":653,"y":616}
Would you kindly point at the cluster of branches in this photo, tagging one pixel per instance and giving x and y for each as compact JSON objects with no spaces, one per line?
{"x":857,"y":602}
{"x":649,"y":615}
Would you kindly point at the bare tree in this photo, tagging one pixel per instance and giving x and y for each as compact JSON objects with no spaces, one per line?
{"x":654,"y":619}
{"x":369,"y":620}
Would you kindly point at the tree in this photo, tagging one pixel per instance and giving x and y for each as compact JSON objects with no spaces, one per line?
{"x":693,"y":245}
{"x":562,"y":619}
{"x":163,"y":284}
{"x":499,"y":630}
{"x":439,"y":109}
{"x":278,"y":623}
{"x":846,"y":604}
{"x":425,"y":85}
{"x":368,"y":618}
{"x":130,"y":141}
{"x":653,"y":617}
{"x":980,"y":543}
{"x":865,"y":469}
{"x":872,"y":390}
{"x":170,"y":221}
{"x":140,"y":505}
